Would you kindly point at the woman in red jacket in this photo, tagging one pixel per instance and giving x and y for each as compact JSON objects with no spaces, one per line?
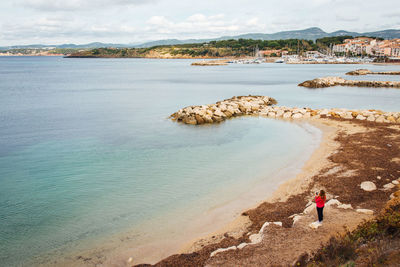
{"x":320,"y":201}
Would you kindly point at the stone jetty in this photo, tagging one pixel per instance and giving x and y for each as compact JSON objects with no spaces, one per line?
{"x":334,"y":81}
{"x":222,"y":110}
{"x":263,"y":106}
{"x":210,"y":63}
{"x":366,"y":72}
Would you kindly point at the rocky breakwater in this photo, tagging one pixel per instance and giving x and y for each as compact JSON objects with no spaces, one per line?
{"x":262,"y":106}
{"x":222,"y":110}
{"x":366,"y":72}
{"x":334,"y":81}
{"x":340,"y":113}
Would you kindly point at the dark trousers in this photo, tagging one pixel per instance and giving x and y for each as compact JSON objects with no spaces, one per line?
{"x":320,"y":214}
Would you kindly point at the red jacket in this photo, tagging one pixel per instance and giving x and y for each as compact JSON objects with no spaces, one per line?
{"x":320,"y":201}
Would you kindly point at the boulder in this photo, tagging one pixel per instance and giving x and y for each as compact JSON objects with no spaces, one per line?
{"x":368,"y":186}
{"x":199,"y":119}
{"x":365,"y":211}
{"x":255,"y":238}
{"x":360,"y":117}
{"x":388,"y":186}
{"x":297,"y":116}
{"x":287,"y":115}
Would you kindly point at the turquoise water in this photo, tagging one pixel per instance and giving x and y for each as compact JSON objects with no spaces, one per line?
{"x":87,"y":151}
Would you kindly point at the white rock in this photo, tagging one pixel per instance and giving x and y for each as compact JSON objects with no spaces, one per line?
{"x":287,"y":115}
{"x":380,"y":119}
{"x":215,"y":252}
{"x":368,"y":186}
{"x":345,"y":206}
{"x":278,"y":223}
{"x":332,"y":202}
{"x":365,"y":211}
{"x":255,"y":238}
{"x":265,"y":225}
{"x":388,"y":186}
{"x":395,"y":182}
{"x":378,"y":177}
{"x":242,"y":245}
{"x":310,"y":208}
{"x":279,"y":113}
{"x":296,"y":218}
{"x":130,"y":260}
{"x":271,"y":114}
{"x":360,"y":117}
{"x":371,"y":118}
{"x":315,"y":225}
{"x":297,"y":116}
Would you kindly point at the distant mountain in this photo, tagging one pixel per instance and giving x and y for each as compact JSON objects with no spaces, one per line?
{"x":308,"y":34}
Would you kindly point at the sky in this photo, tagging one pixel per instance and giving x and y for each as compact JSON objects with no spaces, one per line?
{"x":138,"y":21}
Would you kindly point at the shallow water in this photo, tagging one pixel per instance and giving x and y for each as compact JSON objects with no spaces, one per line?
{"x":87,"y":152}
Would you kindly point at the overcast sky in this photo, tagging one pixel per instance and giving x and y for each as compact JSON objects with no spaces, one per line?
{"x":135,"y":21}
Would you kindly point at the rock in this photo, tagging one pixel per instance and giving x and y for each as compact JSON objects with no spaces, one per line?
{"x":380,"y":119}
{"x":332,"y":202}
{"x":189,"y":120}
{"x":310,"y":208}
{"x":297,"y":116}
{"x":242,"y":245}
{"x":368,"y":186}
{"x":360,"y":117}
{"x":395,"y":182}
{"x":296,"y":218}
{"x":315,"y":225}
{"x":287,"y":115}
{"x":365,"y":211}
{"x":271,"y":114}
{"x":345,"y":206}
{"x":217,"y":119}
{"x":371,"y":118}
{"x":215,"y":252}
{"x":255,"y":238}
{"x":388,"y":186}
{"x":279,"y":113}
{"x":199,"y":119}
{"x":130,"y":260}
{"x":391,"y":119}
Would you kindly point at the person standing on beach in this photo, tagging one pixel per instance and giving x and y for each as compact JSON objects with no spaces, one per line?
{"x":320,"y":201}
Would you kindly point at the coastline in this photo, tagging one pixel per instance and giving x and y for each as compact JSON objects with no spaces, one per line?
{"x":294,"y":185}
{"x":324,"y":166}
{"x":239,"y":225}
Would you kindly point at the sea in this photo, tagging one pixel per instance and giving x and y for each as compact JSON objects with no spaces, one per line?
{"x":92,"y":170}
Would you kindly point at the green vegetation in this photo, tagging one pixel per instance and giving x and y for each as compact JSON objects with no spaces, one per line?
{"x":213,"y":49}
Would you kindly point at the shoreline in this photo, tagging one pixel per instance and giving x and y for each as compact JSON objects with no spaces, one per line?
{"x":322,"y":168}
{"x":218,"y":219}
{"x":239,"y":225}
{"x":289,"y":187}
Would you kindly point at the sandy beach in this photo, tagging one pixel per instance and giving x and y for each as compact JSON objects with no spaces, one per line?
{"x":338,"y":165}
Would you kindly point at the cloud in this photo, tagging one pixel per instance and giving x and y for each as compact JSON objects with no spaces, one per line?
{"x":200,"y":25}
{"x":73,"y":5}
{"x":391,"y":15}
{"x":62,"y":28}
{"x":349,"y":18}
